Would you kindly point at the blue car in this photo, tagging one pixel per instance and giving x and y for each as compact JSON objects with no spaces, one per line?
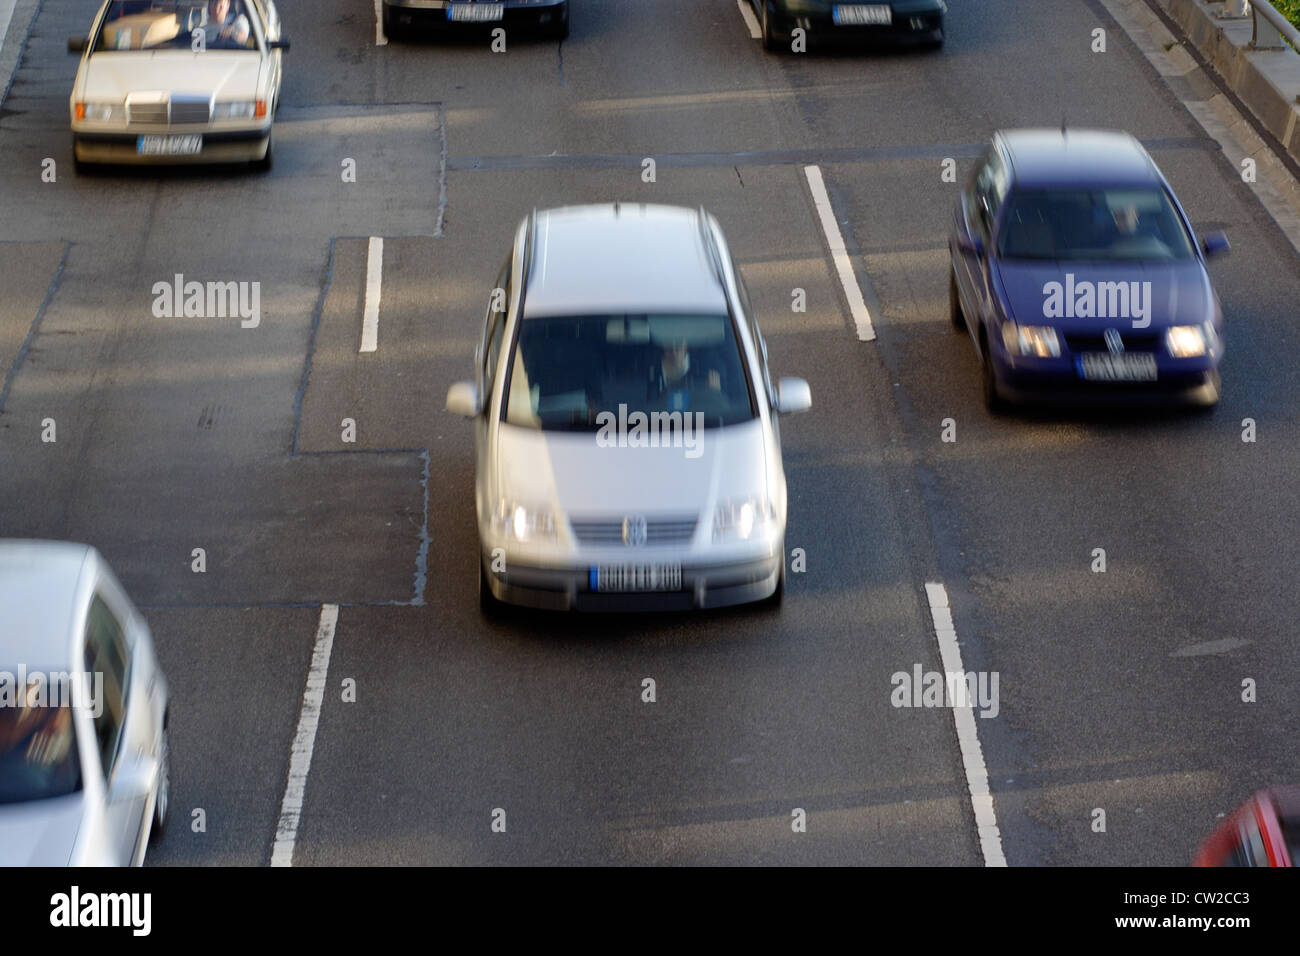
{"x":1078,"y":276}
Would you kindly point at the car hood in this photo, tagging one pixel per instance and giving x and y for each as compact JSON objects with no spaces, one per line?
{"x":223,"y":74}
{"x":41,"y":832}
{"x":1179,"y":293}
{"x":571,"y":472}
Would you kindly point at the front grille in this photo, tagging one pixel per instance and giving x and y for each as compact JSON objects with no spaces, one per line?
{"x":1133,"y":342}
{"x":189,"y":112}
{"x":663,"y":530}
{"x":151,"y":113}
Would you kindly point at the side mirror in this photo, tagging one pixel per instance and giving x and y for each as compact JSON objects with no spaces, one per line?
{"x":463,"y":400}
{"x":971,"y":245}
{"x":78,"y":44}
{"x":133,"y":780}
{"x":280,"y":44}
{"x":1214,"y":243}
{"x":793,"y":395}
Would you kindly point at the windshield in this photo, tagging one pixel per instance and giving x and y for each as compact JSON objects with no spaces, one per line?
{"x":38,"y":753}
{"x":1103,"y":225}
{"x":567,"y":371}
{"x":175,"y":24}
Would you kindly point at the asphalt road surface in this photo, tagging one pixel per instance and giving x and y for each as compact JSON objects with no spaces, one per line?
{"x":1120,"y":691}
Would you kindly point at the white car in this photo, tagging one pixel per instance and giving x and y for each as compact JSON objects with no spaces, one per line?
{"x":628,"y":454}
{"x":177,"y":81}
{"x":84,"y":761}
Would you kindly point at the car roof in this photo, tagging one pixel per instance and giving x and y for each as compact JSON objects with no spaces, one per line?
{"x":1054,"y":157}
{"x":621,"y":258}
{"x":39,"y":582}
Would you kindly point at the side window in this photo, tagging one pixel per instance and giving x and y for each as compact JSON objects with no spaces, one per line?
{"x":754,"y":331}
{"x":990,"y":189}
{"x":494,"y":328}
{"x":107,"y":655}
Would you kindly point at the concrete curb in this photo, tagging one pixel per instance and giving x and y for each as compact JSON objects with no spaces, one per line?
{"x":1266,"y":81}
{"x":14,"y":42}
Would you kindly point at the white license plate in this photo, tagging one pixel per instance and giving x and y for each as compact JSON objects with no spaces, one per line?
{"x":1125,"y":367}
{"x":636,"y":577}
{"x":476,"y":12}
{"x":169,"y":145}
{"x":862,"y":14}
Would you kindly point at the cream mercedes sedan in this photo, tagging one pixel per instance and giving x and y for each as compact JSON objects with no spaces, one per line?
{"x":177,"y":81}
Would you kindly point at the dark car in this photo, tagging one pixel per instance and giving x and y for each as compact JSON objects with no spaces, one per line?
{"x":548,"y":18}
{"x":1263,"y":831}
{"x":1078,"y":276}
{"x":905,"y":21}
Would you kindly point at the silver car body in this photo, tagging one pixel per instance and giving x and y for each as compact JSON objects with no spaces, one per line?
{"x":47,"y":590}
{"x":612,"y":259}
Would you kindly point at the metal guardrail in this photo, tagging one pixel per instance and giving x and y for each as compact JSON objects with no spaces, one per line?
{"x":1268,"y":26}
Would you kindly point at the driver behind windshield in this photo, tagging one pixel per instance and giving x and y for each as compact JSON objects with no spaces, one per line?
{"x":226,"y":24}
{"x":674,"y":379}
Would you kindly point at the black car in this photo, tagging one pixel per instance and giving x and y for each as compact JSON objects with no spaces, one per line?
{"x":902,"y":21}
{"x":548,"y":18}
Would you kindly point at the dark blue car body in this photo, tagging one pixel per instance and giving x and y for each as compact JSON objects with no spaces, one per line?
{"x":1109,"y":349}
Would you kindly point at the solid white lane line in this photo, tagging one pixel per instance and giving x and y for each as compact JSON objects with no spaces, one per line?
{"x":304,"y":741}
{"x":374,"y":288}
{"x":751,"y":21}
{"x":843,"y":265}
{"x":972,"y":757}
{"x":380,"y":38}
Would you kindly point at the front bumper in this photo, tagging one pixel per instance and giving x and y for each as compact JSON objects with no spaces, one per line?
{"x":431,"y":15}
{"x":568,"y":589}
{"x":911,"y":23}
{"x":1189,"y":382}
{"x":219,"y":146}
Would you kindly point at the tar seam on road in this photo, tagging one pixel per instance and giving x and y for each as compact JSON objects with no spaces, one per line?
{"x":304,"y":740}
{"x":963,"y":715}
{"x":35,"y":326}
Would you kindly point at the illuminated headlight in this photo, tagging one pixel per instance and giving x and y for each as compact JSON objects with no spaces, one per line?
{"x":740,"y":519}
{"x":102,"y":112}
{"x":238,"y":110}
{"x":1039,"y":340}
{"x":1185,"y":341}
{"x":522,"y":522}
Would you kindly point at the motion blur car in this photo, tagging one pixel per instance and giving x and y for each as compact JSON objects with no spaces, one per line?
{"x":549,"y":18}
{"x":178,"y":81}
{"x":1263,"y":831}
{"x":1078,"y":276}
{"x":626,"y":436}
{"x":898,"y":21}
{"x":84,"y":759}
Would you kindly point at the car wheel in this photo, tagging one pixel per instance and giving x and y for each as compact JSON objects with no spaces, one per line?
{"x":769,"y":37}
{"x":391,"y":30}
{"x":162,"y":801}
{"x":955,"y":311}
{"x":561,"y":30}
{"x":264,"y":164}
{"x":487,"y":601}
{"x":777,"y":596}
{"x":993,"y":399}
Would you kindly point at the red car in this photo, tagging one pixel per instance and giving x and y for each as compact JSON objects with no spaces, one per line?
{"x":1263,"y":831}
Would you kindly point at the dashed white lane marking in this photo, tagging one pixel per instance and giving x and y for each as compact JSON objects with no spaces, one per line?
{"x":374,"y":289}
{"x":972,"y":757}
{"x":304,"y":741}
{"x":751,"y":21}
{"x":380,"y":38}
{"x":843,"y":265}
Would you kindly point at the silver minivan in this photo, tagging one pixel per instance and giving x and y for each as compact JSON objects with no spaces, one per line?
{"x":627,"y":449}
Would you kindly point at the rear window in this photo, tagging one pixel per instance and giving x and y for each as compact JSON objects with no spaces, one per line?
{"x":1101,"y":225}
{"x":567,"y":371}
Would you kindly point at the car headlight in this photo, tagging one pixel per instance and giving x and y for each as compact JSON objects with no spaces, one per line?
{"x":1039,"y":340}
{"x":523,"y":523}
{"x":101,"y":112}
{"x":1185,"y":341}
{"x":741,"y":518}
{"x":241,"y":109}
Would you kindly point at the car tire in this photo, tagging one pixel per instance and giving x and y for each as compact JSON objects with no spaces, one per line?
{"x":955,"y":311}
{"x":162,"y":801}
{"x":775,"y":599}
{"x":391,"y":29}
{"x":993,"y":399}
{"x":265,"y":164}
{"x":561,"y":30}
{"x":769,"y":37}
{"x":487,"y":601}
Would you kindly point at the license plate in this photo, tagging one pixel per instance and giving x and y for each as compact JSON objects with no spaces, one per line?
{"x":476,"y":12}
{"x":1126,"y":367}
{"x":636,"y":577}
{"x":169,"y":145}
{"x":862,"y":14}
